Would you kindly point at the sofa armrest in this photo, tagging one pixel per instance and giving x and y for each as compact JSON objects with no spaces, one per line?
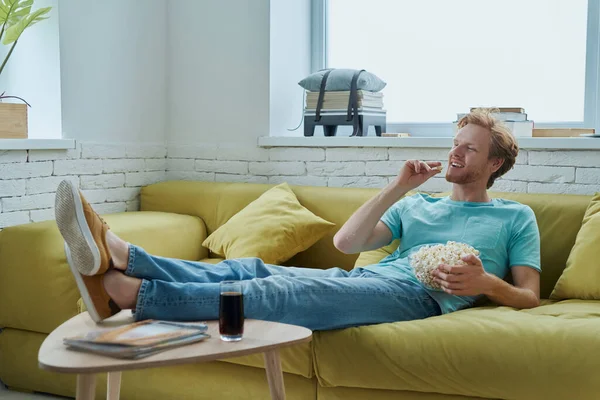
{"x":37,"y":289}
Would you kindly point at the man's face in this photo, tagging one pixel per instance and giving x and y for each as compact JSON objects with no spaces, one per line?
{"x":468,"y":159}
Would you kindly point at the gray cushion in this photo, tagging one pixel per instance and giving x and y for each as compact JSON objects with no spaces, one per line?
{"x":340,"y":79}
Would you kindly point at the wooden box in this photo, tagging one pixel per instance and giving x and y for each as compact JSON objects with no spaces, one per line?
{"x":13,"y":121}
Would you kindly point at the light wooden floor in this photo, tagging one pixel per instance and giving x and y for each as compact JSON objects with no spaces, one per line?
{"x":6,"y":394}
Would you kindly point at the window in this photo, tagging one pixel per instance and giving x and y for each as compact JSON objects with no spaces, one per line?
{"x":441,"y":57}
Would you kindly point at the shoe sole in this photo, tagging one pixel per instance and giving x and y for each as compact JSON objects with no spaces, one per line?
{"x":85,"y":294}
{"x":83,"y":251}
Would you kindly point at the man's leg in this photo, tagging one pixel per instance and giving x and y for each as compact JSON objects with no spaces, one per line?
{"x":123,"y":286}
{"x":92,"y":250}
{"x":140,"y":264}
{"x":314,"y":302}
{"x":86,"y":249}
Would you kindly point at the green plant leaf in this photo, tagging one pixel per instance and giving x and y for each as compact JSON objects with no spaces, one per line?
{"x":11,"y":11}
{"x":14,"y":31}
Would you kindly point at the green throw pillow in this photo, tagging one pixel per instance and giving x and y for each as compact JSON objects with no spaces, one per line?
{"x":581,"y":277}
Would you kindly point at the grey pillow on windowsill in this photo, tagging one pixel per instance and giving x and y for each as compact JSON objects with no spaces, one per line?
{"x":340,"y":79}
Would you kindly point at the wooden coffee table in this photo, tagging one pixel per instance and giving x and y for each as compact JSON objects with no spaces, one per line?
{"x":259,"y":337}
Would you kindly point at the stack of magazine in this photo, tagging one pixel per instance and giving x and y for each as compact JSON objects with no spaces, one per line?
{"x":338,"y":101}
{"x":139,"y":339}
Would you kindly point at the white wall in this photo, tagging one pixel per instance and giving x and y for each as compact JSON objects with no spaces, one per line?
{"x":218,"y":71}
{"x":33,"y":73}
{"x":290,"y":61}
{"x":113,"y":70}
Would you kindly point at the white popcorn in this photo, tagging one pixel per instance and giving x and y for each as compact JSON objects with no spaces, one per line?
{"x":428,"y":258}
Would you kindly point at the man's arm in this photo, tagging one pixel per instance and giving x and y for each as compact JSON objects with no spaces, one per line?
{"x":524,"y":294}
{"x":363,"y":231}
{"x":472,"y":280}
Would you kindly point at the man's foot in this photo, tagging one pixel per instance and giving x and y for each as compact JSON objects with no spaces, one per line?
{"x":122,"y":289}
{"x":83,"y":230}
{"x":87,"y":253}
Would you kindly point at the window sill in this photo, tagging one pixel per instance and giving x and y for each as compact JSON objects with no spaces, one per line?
{"x":37,"y":144}
{"x":581,"y":143}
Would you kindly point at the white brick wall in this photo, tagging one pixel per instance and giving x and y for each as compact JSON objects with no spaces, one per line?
{"x":144,"y":178}
{"x":26,"y":170}
{"x":226,"y":167}
{"x":83,"y":167}
{"x":13,"y":156}
{"x":102,"y":181}
{"x":190,"y":176}
{"x":358,"y":181}
{"x":48,"y":184}
{"x":356,"y":154}
{"x":109,"y":174}
{"x":535,"y":171}
{"x":277,"y":168}
{"x":123,"y":165}
{"x":92,"y":150}
{"x":204,"y":152}
{"x":338,"y":168}
{"x":300,"y":154}
{"x":240,"y":178}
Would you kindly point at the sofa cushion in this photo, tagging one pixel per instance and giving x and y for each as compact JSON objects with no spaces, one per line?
{"x":581,"y":277}
{"x":487,"y":352}
{"x":273,"y":227}
{"x":35,"y":279}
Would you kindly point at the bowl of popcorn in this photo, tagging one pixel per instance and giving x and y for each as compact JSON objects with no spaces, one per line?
{"x":428,"y":258}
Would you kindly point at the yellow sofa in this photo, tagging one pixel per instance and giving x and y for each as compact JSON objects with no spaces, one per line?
{"x":550,"y":352}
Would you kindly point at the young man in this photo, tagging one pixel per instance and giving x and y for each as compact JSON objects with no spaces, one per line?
{"x":113,"y":274}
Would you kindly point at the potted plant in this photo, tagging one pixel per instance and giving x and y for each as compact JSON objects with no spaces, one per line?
{"x":15,"y":17}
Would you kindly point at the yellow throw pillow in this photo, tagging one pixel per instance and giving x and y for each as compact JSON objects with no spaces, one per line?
{"x":581,"y":277}
{"x":273,"y":227}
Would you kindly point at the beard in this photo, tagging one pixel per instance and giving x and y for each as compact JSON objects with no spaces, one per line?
{"x":465,"y":177}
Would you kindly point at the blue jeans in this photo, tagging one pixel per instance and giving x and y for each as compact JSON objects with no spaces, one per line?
{"x":317,"y":299}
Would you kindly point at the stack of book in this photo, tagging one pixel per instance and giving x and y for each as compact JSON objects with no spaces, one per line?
{"x":338,"y":101}
{"x":514,"y":118}
{"x":139,"y":339}
{"x":564,"y":132}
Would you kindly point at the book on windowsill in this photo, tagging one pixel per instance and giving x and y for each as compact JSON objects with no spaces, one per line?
{"x":344,"y":111}
{"x":336,"y":100}
{"x":139,"y":339}
{"x":514,"y":118}
{"x":502,"y":116}
{"x":505,"y":109}
{"x":562,"y":132}
{"x":517,"y":128}
{"x":395,"y":135}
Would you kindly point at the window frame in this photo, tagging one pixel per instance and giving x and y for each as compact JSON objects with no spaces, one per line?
{"x":591,"y":115}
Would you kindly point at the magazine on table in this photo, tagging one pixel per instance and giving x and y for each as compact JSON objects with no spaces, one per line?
{"x":139,"y":339}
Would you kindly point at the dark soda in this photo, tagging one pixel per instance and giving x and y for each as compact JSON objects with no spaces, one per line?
{"x":231,"y":314}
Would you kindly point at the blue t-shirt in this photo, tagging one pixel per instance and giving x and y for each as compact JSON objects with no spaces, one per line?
{"x":505,"y":233}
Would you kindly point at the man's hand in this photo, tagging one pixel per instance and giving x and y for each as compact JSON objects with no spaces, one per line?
{"x":464,"y":280}
{"x":414,"y":173}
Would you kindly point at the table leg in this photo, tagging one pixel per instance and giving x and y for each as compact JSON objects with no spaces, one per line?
{"x":274,"y":374}
{"x":86,"y":387}
{"x":113,"y":389}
